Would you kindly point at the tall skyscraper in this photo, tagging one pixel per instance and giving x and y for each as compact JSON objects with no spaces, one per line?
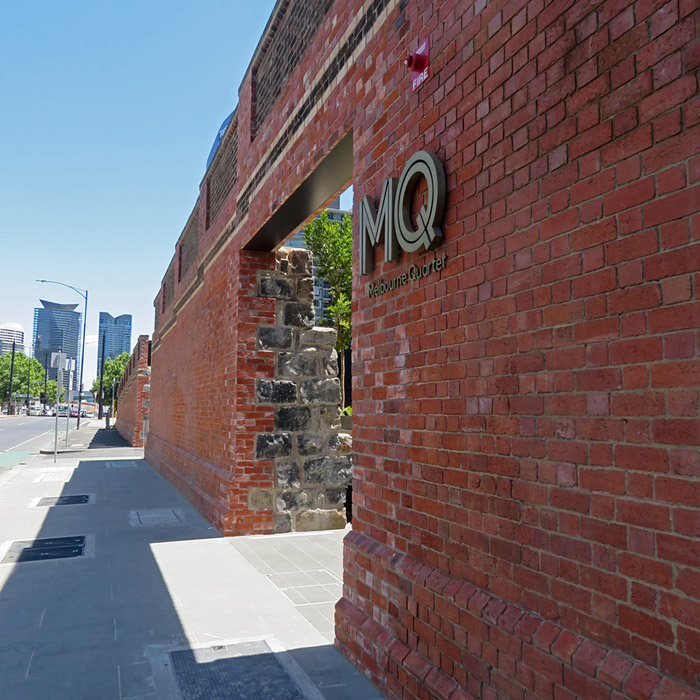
{"x":116,"y":333}
{"x":57,"y":328}
{"x":9,"y":333}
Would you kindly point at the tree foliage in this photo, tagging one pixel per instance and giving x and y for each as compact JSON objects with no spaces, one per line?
{"x":25,"y":368}
{"x":114,"y":369}
{"x":330,"y":242}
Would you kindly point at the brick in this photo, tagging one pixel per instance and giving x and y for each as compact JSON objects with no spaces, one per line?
{"x":565,"y":646}
{"x":526,"y":627}
{"x":588,"y":657}
{"x":613,"y":670}
{"x":677,"y":431}
{"x":641,"y":458}
{"x":670,"y":690}
{"x":641,"y":683}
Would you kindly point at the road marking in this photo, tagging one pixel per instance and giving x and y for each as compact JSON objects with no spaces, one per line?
{"x":30,"y":439}
{"x":26,"y":675}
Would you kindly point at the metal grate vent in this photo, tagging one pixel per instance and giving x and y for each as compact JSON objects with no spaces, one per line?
{"x":248,"y":670}
{"x":64,"y":500}
{"x":48,"y":548}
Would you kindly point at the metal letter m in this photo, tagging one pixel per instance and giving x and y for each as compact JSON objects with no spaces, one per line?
{"x":373,"y":224}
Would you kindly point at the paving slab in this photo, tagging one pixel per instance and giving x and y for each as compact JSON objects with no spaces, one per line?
{"x":155,"y":579}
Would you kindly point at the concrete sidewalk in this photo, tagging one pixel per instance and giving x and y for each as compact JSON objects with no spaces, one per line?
{"x":150,"y":601}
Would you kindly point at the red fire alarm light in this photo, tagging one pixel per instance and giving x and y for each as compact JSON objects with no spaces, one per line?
{"x":418,"y":63}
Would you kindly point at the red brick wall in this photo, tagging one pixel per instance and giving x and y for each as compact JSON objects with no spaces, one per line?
{"x":527,"y":479}
{"x":204,"y":416}
{"x":134,"y":393}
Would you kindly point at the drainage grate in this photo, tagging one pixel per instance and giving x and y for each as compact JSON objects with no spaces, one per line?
{"x":245,"y":670}
{"x":48,"y":548}
{"x":64,"y":500}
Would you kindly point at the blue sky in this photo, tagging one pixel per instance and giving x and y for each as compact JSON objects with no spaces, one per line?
{"x":107,"y":115}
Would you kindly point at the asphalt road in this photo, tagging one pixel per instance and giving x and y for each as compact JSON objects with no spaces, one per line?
{"x":19,"y":433}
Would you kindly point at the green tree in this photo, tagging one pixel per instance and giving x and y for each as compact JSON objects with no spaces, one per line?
{"x":114,"y":369}
{"x":25,"y":369}
{"x":330,"y":242}
{"x":51,"y":392}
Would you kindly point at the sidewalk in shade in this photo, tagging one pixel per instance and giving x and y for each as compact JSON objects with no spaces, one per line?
{"x":125,"y":591}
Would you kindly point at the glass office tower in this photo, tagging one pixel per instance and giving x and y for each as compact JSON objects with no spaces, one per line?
{"x":116,"y":334}
{"x":58,"y":328}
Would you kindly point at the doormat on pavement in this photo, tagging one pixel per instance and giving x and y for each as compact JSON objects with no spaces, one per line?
{"x":244,"y":671}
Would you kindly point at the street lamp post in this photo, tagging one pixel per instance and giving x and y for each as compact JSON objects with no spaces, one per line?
{"x":83,"y":293}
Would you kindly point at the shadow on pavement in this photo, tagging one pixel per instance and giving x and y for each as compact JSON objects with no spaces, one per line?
{"x":81,"y":626}
{"x":106,"y":438}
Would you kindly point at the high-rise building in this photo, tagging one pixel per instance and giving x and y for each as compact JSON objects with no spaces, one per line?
{"x":115,"y":331}
{"x":57,"y":328}
{"x":9,"y":333}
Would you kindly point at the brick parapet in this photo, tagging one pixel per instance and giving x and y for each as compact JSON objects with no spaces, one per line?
{"x":134,"y":395}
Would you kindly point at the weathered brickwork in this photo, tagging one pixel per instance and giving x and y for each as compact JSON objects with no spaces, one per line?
{"x":202,"y":434}
{"x":134,"y":395}
{"x":189,"y":244}
{"x":224,"y":171}
{"x":294,"y":26}
{"x":312,"y":458}
{"x":526,"y":482}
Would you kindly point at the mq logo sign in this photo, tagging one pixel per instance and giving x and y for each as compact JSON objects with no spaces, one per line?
{"x":393,"y":219}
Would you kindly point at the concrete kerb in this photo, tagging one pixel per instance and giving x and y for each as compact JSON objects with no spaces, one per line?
{"x":78,"y":439}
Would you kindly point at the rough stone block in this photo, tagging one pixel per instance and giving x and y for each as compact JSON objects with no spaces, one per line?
{"x":309,"y":444}
{"x":293,"y":418}
{"x":305,"y":289}
{"x":329,"y":417}
{"x":298,"y":364}
{"x":274,"y":338}
{"x":288,"y":474}
{"x":300,"y":261}
{"x":275,"y":391}
{"x":339,"y":444}
{"x":291,"y":500}
{"x":336,"y":496}
{"x":275,"y":287}
{"x":260,"y":499}
{"x":320,"y":519}
{"x":318,"y":337}
{"x":332,"y":471}
{"x":320,"y":391}
{"x":282,"y":260}
{"x":283,"y":522}
{"x":299,"y":314}
{"x":271,"y":445}
{"x":331,"y":364}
